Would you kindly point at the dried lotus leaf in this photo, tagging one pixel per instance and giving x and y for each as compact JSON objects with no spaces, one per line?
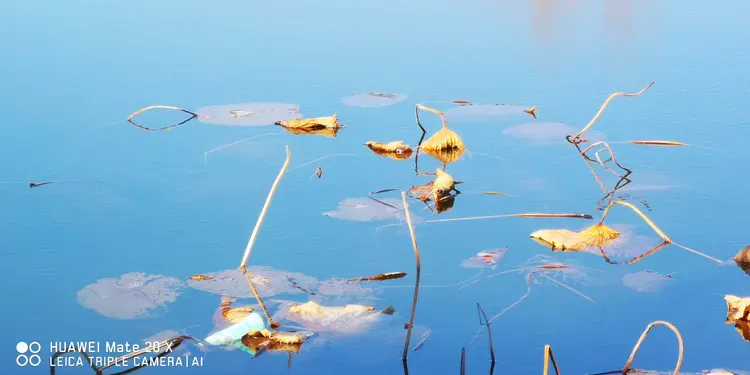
{"x":397,"y":150}
{"x":444,"y":139}
{"x":558,"y":239}
{"x":598,"y":235}
{"x":312,"y":308}
{"x":743,"y":328}
{"x":311,"y":123}
{"x":738,"y":308}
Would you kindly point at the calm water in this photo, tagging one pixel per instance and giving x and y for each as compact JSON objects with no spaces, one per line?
{"x":149,"y":202}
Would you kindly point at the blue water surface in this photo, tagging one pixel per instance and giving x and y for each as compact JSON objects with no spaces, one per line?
{"x":150,"y":202}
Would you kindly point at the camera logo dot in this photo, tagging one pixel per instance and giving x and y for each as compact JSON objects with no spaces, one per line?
{"x":23,"y":359}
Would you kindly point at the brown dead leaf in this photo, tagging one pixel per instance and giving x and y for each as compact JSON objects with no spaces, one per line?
{"x":327,"y":126}
{"x":200,"y":277}
{"x":395,"y":150}
{"x":743,"y":328}
{"x":738,"y":308}
{"x":531,"y":111}
{"x":236,"y":314}
{"x":443,"y":182}
{"x":319,"y":172}
{"x":278,"y":341}
{"x":380,"y":277}
{"x":743,"y":259}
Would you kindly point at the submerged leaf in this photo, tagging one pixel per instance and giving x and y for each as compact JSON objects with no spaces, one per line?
{"x":373,"y":99}
{"x":486,"y":112}
{"x":133,"y":295}
{"x":485,"y":259}
{"x":743,"y":259}
{"x":395,"y":150}
{"x":344,"y":319}
{"x":738,"y":308}
{"x":268,"y":281}
{"x":546,"y":132}
{"x":367,"y":209}
{"x":248,"y":114}
{"x":646,"y":281}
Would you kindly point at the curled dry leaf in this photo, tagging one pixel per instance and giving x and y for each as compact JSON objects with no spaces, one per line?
{"x":444,"y":183}
{"x":743,"y":259}
{"x":485,"y":259}
{"x":738,"y":308}
{"x":235,"y":314}
{"x":289,"y":342}
{"x":395,"y":150}
{"x":743,"y":328}
{"x":200,"y":277}
{"x":598,"y":236}
{"x":342,"y":319}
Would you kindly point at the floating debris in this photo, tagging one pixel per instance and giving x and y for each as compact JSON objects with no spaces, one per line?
{"x":200,"y":277}
{"x":373,"y":99}
{"x":133,"y":295}
{"x":33,"y":184}
{"x":253,"y":322}
{"x":318,"y":172}
{"x":421,"y":342}
{"x":461,"y":102}
{"x":396,"y":150}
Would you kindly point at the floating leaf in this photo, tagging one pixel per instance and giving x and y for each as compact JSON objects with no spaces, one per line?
{"x":327,"y":126}
{"x":486,"y":112}
{"x":546,"y":132}
{"x":133,"y":295}
{"x":380,"y":277}
{"x":444,"y":182}
{"x":743,"y":259}
{"x":367,"y":209}
{"x":646,"y":281}
{"x":485,"y":259}
{"x":738,"y":308}
{"x":236,"y":314}
{"x":342,"y":319}
{"x":396,"y":150}
{"x":268,"y":281}
{"x":373,"y":99}
{"x":248,"y":114}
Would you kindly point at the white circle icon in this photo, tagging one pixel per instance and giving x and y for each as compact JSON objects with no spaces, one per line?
{"x":22,"y":360}
{"x":35,"y":360}
{"x":34,"y":347}
{"x":22,"y":347}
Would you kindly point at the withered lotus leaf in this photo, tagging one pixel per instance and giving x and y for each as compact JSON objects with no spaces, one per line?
{"x":236,"y":314}
{"x":743,"y":328}
{"x":312,"y":308}
{"x":444,"y":139}
{"x":738,"y":308}
{"x":341,"y":319}
{"x":598,"y":235}
{"x":313,"y":123}
{"x":445,"y":156}
{"x":395,"y":150}
{"x":443,"y":182}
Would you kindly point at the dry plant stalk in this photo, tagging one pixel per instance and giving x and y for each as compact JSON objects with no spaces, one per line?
{"x":531,"y":111}
{"x":138,"y":112}
{"x":396,"y":150}
{"x":637,"y":346}
{"x":658,"y":143}
{"x":526,"y":215}
{"x":419,"y":271}
{"x":253,"y":236}
{"x":577,"y":138}
{"x":489,"y":331}
{"x":463,"y":361}
{"x":271,"y":323}
{"x":549,"y":357}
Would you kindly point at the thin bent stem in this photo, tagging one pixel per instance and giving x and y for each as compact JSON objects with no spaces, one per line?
{"x":138,"y":112}
{"x":253,"y":236}
{"x":604,"y":106}
{"x":424,"y":108}
{"x":489,"y":331}
{"x":526,"y":215}
{"x":205,"y":154}
{"x":549,"y":357}
{"x":643,"y":337}
{"x":419,"y":270}
{"x":528,"y":292}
